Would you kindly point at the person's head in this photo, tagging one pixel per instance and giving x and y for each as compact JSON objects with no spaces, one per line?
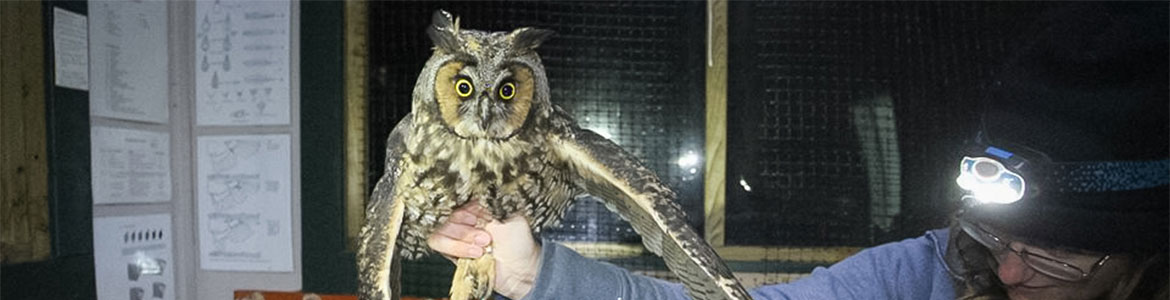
{"x":1066,"y":182}
{"x":1024,"y":270}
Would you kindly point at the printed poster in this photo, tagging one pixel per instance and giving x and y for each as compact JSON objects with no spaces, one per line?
{"x":70,"y":49}
{"x":128,"y":53}
{"x":133,"y":257}
{"x":242,"y":66}
{"x":130,"y":165}
{"x":245,"y":202}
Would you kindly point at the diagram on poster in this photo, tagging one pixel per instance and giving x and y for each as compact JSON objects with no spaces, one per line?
{"x":245,"y":203}
{"x":133,"y":257}
{"x":242,"y":63}
{"x":130,"y":165}
{"x":128,"y":53}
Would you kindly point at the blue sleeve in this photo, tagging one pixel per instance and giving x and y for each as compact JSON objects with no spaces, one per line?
{"x":566,"y":274}
{"x":910,"y":269}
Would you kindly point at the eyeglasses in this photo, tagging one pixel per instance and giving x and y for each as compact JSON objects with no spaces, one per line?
{"x":1045,"y":265}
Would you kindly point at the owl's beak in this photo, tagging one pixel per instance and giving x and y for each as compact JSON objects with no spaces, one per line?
{"x":485,"y":112}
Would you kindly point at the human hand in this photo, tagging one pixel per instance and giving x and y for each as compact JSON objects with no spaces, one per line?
{"x":470,"y":229}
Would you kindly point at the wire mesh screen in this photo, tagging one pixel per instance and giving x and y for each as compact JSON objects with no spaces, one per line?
{"x":843,"y":116}
{"x":630,"y":71}
{"x":847,"y":114}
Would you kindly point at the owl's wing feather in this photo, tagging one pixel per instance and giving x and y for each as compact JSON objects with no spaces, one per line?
{"x":635,"y":193}
{"x":379,"y":265}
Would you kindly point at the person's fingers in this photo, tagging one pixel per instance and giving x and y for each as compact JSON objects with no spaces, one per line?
{"x":458,"y":237}
{"x":452,"y":247}
{"x":481,"y":213}
{"x":474,"y":208}
{"x":464,"y":233}
{"x":464,"y":216}
{"x":461,"y":235}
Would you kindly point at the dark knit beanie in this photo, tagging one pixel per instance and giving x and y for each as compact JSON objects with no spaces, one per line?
{"x":1080,"y":112}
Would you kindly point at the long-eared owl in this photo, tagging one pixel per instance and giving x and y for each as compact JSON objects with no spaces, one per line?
{"x":482,"y":129}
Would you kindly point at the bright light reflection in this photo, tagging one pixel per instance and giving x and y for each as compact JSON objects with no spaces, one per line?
{"x":688,"y":160}
{"x":603,"y":133}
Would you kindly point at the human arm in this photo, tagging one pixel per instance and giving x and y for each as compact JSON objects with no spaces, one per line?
{"x":526,"y":270}
{"x":908,"y":269}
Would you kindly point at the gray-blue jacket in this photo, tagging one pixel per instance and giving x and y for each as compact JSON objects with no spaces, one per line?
{"x":909,"y":269}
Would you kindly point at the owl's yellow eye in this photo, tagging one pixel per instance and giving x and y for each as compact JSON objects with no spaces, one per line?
{"x":463,"y":87}
{"x":507,"y":91}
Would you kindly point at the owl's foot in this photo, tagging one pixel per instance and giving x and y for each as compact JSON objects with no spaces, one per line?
{"x":473,"y":277}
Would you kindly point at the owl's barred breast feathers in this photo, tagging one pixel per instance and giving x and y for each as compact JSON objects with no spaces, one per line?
{"x":508,"y":177}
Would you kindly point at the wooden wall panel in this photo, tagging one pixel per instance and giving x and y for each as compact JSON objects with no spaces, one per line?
{"x":24,"y":205}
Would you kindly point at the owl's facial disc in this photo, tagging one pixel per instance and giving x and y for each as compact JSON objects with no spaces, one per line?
{"x":478,"y":102}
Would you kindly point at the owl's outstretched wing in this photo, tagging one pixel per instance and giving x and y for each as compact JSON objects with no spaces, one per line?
{"x":379,"y":265}
{"x":635,"y":193}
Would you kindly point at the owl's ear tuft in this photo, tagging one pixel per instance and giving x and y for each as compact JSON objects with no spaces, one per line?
{"x":444,"y":31}
{"x":529,"y":38}
{"x":442,"y":19}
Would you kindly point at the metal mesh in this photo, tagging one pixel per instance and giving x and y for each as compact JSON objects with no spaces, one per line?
{"x":846,"y":114}
{"x":843,"y":116}
{"x":630,"y":71}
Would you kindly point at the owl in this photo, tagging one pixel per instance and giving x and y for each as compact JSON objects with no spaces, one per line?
{"x":482,"y":128}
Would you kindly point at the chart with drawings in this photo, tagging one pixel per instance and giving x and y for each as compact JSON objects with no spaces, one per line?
{"x":245,"y":202}
{"x":133,"y":257}
{"x":242,"y":67}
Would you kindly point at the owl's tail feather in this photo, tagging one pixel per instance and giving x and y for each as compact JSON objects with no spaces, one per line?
{"x":473,"y":278}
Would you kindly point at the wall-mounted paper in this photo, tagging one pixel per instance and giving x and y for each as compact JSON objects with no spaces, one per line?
{"x":128,"y":47}
{"x":242,"y":65}
{"x":70,"y":42}
{"x":133,"y":257}
{"x":245,"y":203}
{"x":130,"y":165}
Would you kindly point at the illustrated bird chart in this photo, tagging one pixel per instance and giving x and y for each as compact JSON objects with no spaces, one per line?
{"x":245,"y":203}
{"x":242,"y":67}
{"x":133,"y":257}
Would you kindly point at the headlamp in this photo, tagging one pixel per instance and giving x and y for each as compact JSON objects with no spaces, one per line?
{"x":986,"y":180}
{"x":996,"y":175}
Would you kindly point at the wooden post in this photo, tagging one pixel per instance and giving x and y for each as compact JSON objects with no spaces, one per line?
{"x":715,"y":172}
{"x":24,"y":201}
{"x":355,"y":119}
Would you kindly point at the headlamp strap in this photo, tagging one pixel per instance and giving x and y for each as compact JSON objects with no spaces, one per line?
{"x":1090,"y":177}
